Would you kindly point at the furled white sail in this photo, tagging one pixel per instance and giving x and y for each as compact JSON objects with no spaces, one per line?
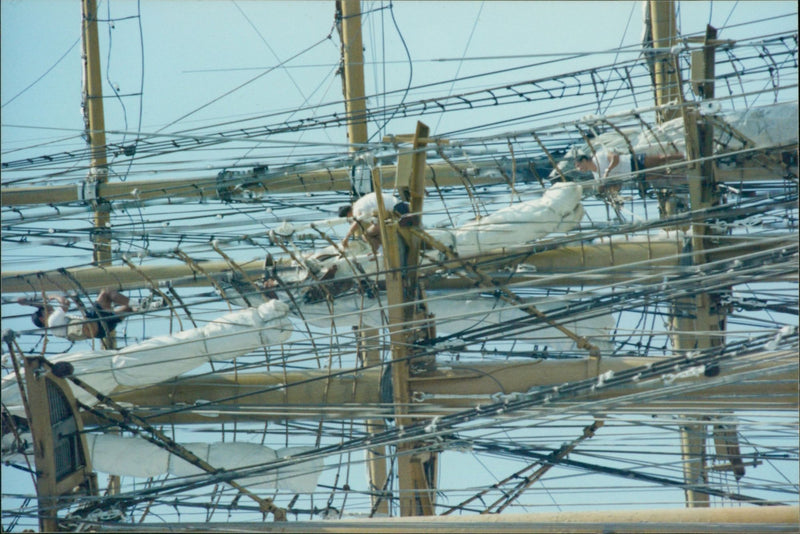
{"x":558,"y":210}
{"x":137,"y":457}
{"x":757,"y":127}
{"x":164,"y":357}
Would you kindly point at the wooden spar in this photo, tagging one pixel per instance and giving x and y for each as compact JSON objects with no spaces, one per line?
{"x":322,"y":180}
{"x":355,"y":393}
{"x":353,"y":76}
{"x":619,"y":261}
{"x":656,"y":521}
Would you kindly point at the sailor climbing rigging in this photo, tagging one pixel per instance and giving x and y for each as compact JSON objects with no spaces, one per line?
{"x":364,"y":211}
{"x":607,"y":163}
{"x":96,"y":323}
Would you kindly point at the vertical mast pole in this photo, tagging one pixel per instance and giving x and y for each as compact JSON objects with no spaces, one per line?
{"x":416,"y":472}
{"x":369,"y":355}
{"x":353,"y":79}
{"x":685,"y":311}
{"x":695,"y":321}
{"x":95,"y":131}
{"x":702,"y":193}
{"x":664,"y":30}
{"x":416,"y":489}
{"x":356,"y":111}
{"x":708,"y":322}
{"x":95,"y":126}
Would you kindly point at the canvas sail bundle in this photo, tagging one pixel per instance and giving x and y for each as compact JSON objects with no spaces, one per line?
{"x":165,"y":357}
{"x":136,"y":457}
{"x":558,"y":210}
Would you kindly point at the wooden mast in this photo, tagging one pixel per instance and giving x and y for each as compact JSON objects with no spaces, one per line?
{"x":694,"y":321}
{"x":664,"y":31}
{"x":94,"y":117}
{"x":409,"y":472}
{"x":667,"y":96}
{"x":709,"y":316}
{"x":369,"y":356}
{"x":416,"y":493}
{"x":95,"y":133}
{"x":98,"y":164}
{"x":353,"y":74}
{"x":416,"y":479}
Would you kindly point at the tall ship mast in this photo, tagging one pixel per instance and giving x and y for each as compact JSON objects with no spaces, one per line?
{"x":573,"y":307}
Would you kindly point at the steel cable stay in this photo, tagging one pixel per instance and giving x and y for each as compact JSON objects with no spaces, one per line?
{"x":734,"y":245}
{"x":650,"y":274}
{"x":637,"y":114}
{"x":144,"y":146}
{"x":521,"y":326}
{"x":334,"y":317}
{"x":156,"y":233}
{"x":509,"y":407}
{"x":625,"y":473}
{"x":220,"y":212}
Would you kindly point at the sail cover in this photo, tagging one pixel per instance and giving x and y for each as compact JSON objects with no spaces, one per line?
{"x":136,"y":457}
{"x":775,"y":125}
{"x":165,"y":357}
{"x":558,"y":210}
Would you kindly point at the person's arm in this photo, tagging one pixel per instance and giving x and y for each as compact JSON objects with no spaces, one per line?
{"x":350,"y":232}
{"x":64,"y":302}
{"x":36,"y":304}
{"x":613,"y":161}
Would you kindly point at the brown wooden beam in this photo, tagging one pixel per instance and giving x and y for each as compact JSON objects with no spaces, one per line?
{"x":559,"y":267}
{"x":323,"y":180}
{"x":656,"y":521}
{"x":355,"y":394}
